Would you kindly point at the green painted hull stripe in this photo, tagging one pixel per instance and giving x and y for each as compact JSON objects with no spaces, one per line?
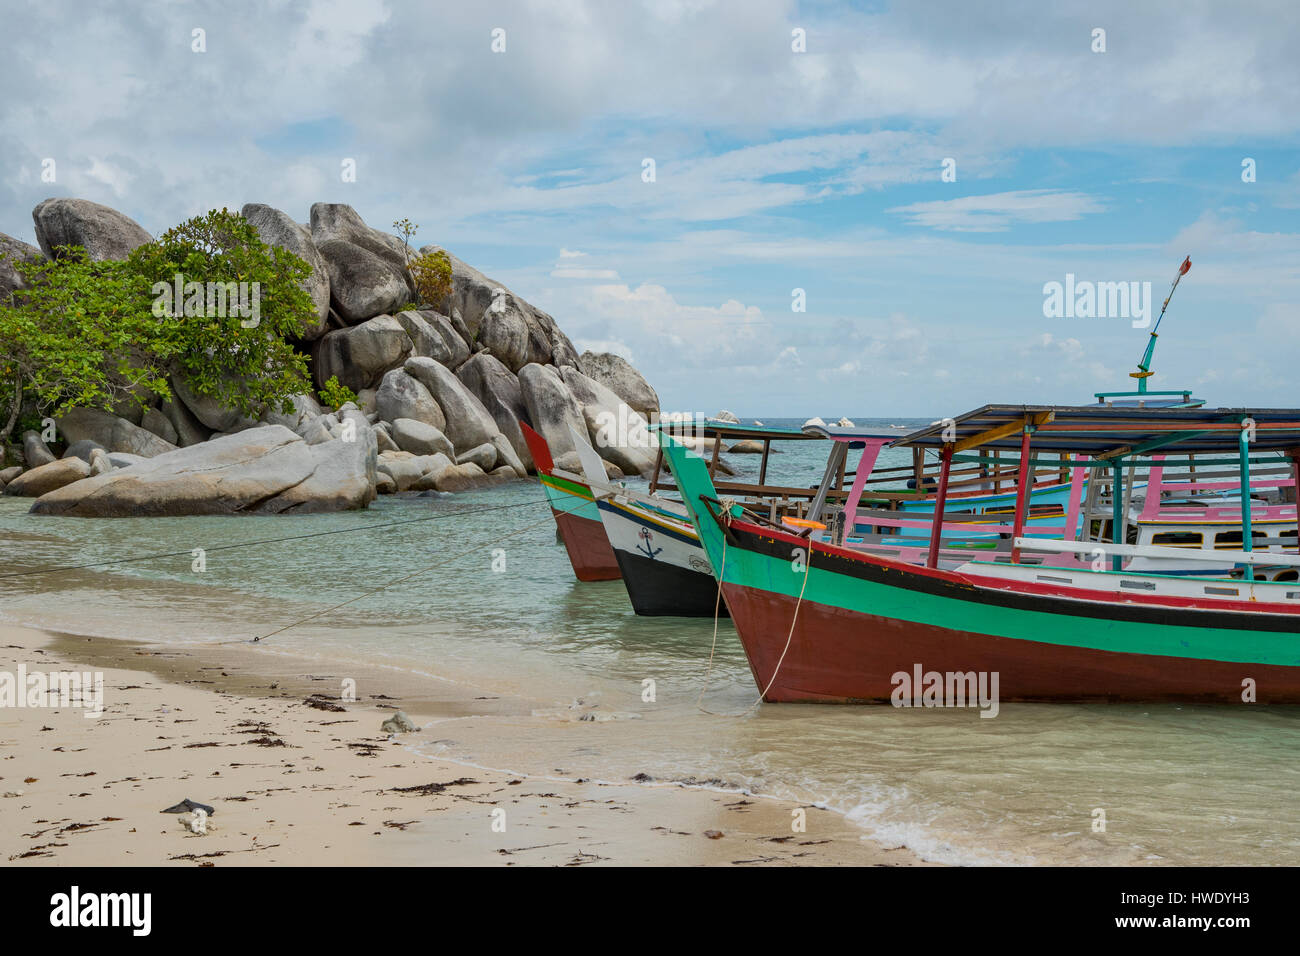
{"x":766,"y":573}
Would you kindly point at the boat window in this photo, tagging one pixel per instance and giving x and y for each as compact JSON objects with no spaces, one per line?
{"x":1138,"y":585}
{"x":1229,"y":591}
{"x":1180,"y":539}
{"x":1231,"y":540}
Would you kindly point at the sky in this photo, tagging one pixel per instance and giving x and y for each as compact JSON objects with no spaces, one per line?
{"x":855,"y":208}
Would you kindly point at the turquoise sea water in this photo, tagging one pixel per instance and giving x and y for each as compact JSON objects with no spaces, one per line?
{"x":1179,"y":784}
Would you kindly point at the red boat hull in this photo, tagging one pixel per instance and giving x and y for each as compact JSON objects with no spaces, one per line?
{"x":839,"y":656}
{"x":588,"y":546}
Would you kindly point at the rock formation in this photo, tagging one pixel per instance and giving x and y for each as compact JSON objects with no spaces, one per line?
{"x":441,"y":389}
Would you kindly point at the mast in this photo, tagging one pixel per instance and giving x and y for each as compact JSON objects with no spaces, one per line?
{"x":1144,"y":367}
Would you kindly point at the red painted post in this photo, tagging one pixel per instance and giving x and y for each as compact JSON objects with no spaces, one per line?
{"x":1022,"y":495}
{"x":940,"y":500}
{"x":1295,"y":475}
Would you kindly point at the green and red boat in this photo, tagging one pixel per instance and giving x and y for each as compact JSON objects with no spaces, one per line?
{"x":573,"y":505}
{"x":1052,"y":619}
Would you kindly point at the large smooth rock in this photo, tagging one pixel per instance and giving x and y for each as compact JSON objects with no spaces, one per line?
{"x":484,"y":455}
{"x":420,"y":438}
{"x":452,"y":337}
{"x":362,"y":284}
{"x":516,"y":332}
{"x":344,"y":472}
{"x":305,"y":411}
{"x":189,"y":430}
{"x":468,"y":422}
{"x":413,"y":472}
{"x":82,"y":449}
{"x":401,"y":396}
{"x":552,"y":409}
{"x":463,"y":477}
{"x":9,"y":474}
{"x":208,"y":410}
{"x":277,"y":228}
{"x":111,"y":432}
{"x":47,"y":478}
{"x":13,"y":251}
{"x":99,"y":462}
{"x":340,"y":221}
{"x":267,"y":469}
{"x":433,"y":336}
{"x":103,"y":232}
{"x":562,"y":353}
{"x":506,"y":332}
{"x":506,"y":457}
{"x":498,"y":389}
{"x":618,"y":375}
{"x":619,"y":434}
{"x":35,"y":451}
{"x":360,"y":355}
{"x":155,"y":421}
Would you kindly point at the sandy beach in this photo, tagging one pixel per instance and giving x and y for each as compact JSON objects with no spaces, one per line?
{"x":298,"y":776}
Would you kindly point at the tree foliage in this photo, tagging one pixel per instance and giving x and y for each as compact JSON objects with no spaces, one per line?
{"x":94,"y":334}
{"x":335,"y":395}
{"x":76,"y":336}
{"x":431,"y":272}
{"x":246,"y":362}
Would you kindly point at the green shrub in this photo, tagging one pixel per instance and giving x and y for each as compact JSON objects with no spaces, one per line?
{"x":94,"y":334}
{"x":335,"y":395}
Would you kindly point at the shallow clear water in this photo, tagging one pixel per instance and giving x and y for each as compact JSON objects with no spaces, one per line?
{"x":1179,"y":784}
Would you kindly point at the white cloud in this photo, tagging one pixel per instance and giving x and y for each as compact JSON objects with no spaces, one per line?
{"x":997,"y":212}
{"x":584,"y":274}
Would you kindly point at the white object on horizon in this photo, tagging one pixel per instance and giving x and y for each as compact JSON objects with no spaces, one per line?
{"x":845,"y":423}
{"x":726,"y":416}
{"x":814,"y":421}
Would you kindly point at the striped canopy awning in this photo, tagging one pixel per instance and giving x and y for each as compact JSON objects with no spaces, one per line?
{"x":1110,"y":432}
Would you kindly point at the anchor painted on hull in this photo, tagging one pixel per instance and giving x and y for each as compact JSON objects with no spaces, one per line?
{"x":647,"y":536}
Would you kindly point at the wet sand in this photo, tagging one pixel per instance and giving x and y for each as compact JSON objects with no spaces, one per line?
{"x":299,"y":775}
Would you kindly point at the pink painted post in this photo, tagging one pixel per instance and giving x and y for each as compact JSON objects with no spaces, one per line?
{"x":1155,"y":482}
{"x":1076,"y":495}
{"x":1022,"y":495}
{"x":1295,"y":474}
{"x":866,"y":464}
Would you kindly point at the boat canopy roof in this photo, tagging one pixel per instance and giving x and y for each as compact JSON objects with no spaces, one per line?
{"x":845,"y":433}
{"x":712,"y":428}
{"x":1100,"y":431}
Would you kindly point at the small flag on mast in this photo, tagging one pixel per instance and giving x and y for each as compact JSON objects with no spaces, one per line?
{"x":1185,"y":267}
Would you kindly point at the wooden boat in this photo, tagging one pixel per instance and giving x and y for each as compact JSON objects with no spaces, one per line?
{"x":573,"y":505}
{"x":1050,"y":619}
{"x":666,"y":571}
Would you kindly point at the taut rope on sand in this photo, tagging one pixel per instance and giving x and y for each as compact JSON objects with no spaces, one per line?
{"x":725,"y":507}
{"x":248,"y":544}
{"x":406,"y":577}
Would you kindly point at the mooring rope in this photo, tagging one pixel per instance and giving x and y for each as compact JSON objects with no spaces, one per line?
{"x":407,"y":577}
{"x":726,"y":506}
{"x":246,"y":544}
{"x":717,"y":609}
{"x":807,"y":573}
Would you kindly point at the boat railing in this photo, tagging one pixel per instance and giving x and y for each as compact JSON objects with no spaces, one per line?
{"x":1109,"y":550}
